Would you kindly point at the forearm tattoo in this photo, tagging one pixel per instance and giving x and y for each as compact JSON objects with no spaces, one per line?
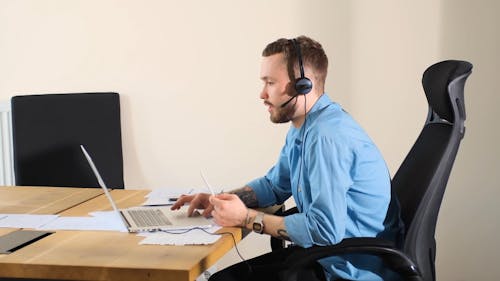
{"x":283,"y":234}
{"x":248,"y":196}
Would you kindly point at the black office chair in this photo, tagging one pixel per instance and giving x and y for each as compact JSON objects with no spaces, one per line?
{"x":419,"y":184}
{"x":48,"y":129}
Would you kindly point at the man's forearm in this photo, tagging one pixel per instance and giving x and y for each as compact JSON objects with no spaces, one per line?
{"x":247,"y":195}
{"x":273,"y":225}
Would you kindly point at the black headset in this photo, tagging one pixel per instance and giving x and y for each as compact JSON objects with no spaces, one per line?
{"x":303,"y":85}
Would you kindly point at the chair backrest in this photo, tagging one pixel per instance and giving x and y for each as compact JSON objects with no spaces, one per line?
{"x":420,"y":182}
{"x":48,"y":129}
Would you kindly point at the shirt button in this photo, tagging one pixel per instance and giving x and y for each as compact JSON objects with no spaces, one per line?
{"x":300,"y":189}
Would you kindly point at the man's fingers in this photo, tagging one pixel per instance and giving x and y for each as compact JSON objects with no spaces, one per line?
{"x":197,"y":201}
{"x":191,"y":209}
{"x":181,"y":201}
{"x":216,"y":217}
{"x":208,"y":211}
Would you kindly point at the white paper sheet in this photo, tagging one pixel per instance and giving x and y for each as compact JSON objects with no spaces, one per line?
{"x":107,"y":221}
{"x":164,"y":196}
{"x":25,"y":220}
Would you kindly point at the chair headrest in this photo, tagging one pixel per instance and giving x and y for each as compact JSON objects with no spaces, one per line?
{"x":435,"y":81}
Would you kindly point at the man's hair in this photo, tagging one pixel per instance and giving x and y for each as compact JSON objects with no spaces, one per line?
{"x":313,"y":56}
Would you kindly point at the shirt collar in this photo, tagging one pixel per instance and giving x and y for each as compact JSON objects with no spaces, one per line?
{"x":323,"y":101}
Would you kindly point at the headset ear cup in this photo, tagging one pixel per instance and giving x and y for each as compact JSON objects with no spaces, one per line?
{"x":303,"y":85}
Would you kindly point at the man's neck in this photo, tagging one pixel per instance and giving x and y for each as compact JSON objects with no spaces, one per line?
{"x":309,"y":100}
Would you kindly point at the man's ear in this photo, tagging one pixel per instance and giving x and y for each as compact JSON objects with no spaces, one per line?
{"x":290,"y":89}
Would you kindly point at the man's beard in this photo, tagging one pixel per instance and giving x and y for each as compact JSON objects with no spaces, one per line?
{"x":283,"y":114}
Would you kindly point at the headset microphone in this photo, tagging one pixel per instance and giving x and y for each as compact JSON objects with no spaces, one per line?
{"x":287,"y":102}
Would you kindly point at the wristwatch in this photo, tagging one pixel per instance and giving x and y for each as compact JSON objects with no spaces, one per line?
{"x":258,"y":223}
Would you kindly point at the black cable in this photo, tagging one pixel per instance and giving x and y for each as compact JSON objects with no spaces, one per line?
{"x":302,"y":153}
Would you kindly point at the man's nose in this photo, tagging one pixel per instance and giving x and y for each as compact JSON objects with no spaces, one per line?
{"x":263,"y":94}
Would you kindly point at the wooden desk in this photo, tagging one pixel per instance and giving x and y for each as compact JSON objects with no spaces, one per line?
{"x":42,"y":200}
{"x":102,"y":255}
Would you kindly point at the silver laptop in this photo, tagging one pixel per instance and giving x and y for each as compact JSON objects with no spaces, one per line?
{"x":138,"y":219}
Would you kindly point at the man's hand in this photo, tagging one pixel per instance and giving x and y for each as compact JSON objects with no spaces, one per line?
{"x":196,"y":201}
{"x":228,"y":210}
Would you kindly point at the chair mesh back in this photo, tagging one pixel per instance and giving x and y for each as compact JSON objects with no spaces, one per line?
{"x":420,"y":182}
{"x":410,"y":184}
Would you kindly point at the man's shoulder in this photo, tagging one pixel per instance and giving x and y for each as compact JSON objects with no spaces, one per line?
{"x":336,"y":124}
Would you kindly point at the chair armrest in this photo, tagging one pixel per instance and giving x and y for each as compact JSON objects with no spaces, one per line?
{"x":272,"y":209}
{"x":386,"y":250}
{"x":284,"y":212}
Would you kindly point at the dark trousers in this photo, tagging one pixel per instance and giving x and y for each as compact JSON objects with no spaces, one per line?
{"x":266,"y":267}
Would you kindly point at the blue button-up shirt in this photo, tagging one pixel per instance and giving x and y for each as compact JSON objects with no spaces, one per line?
{"x":340,"y":184}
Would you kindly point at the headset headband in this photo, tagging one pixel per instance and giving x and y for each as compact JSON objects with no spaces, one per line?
{"x":303,"y":85}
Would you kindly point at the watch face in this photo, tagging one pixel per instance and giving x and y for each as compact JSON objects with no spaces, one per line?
{"x":257,"y":227}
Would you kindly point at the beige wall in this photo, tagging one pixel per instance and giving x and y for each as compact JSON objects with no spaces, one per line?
{"x":187,"y":72}
{"x":469,"y":224}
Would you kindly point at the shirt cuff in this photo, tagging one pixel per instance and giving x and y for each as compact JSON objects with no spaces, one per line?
{"x":296,"y":229}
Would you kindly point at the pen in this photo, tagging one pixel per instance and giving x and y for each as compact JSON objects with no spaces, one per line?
{"x":207,"y":184}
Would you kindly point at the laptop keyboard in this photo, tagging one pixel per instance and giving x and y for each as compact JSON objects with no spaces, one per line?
{"x":145,"y":217}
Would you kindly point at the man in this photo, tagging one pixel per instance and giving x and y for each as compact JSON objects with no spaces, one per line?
{"x":329,"y":165}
